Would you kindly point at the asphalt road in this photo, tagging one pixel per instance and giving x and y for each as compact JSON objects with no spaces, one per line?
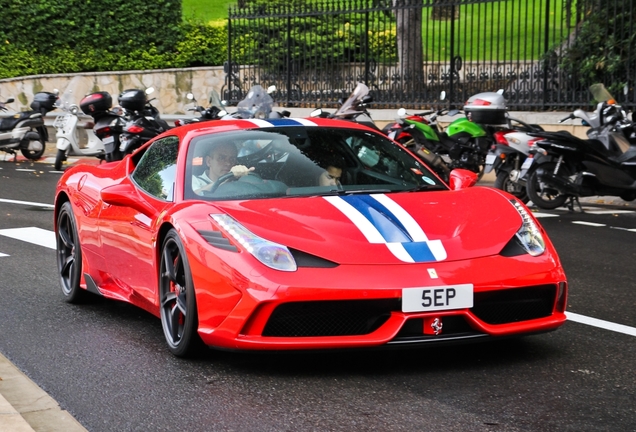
{"x":106,"y":362}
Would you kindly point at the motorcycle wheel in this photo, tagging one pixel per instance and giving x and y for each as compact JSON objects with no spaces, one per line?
{"x":540,"y":193}
{"x":60,"y":157}
{"x":504,"y":183}
{"x":34,"y":154}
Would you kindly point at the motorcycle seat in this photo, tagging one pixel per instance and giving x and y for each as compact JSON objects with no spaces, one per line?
{"x":9,"y":123}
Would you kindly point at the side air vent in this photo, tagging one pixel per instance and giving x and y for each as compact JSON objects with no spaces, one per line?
{"x":306,"y":260}
{"x":216,"y":239}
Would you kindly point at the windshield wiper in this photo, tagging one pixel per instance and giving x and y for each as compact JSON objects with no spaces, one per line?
{"x":356,"y":191}
{"x":426,"y":188}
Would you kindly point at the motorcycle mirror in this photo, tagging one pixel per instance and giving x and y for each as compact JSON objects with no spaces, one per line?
{"x":56,"y":92}
{"x":453,"y":112}
{"x":401,"y":113}
{"x":9,"y":100}
{"x":442,"y":95}
{"x":224,"y":102}
{"x":500,"y":91}
{"x":316,"y":113}
{"x":271,"y":89}
{"x":222,"y":113}
{"x":150,"y":90}
{"x":190,"y":96}
{"x":367,"y":99}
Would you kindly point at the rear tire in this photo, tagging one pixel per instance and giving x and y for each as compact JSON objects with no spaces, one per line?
{"x":504,"y":183}
{"x":60,"y":157}
{"x":540,"y":193}
{"x":34,"y":154}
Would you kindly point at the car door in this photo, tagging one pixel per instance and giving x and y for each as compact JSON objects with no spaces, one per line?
{"x":129,"y":235}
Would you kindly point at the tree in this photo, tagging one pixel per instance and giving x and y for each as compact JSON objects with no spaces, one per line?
{"x":408,"y":14}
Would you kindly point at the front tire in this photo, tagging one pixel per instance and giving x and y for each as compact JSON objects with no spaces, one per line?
{"x":541,"y":194}
{"x":69,"y":255}
{"x":179,"y":317}
{"x":504,"y":183}
{"x":60,"y":157}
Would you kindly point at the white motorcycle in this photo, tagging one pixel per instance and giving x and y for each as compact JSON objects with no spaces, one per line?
{"x":74,"y":131}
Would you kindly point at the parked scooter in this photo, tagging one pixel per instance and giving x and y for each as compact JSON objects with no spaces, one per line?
{"x":74,"y":135}
{"x":109,"y":124}
{"x":570,"y":167}
{"x":25,"y":131}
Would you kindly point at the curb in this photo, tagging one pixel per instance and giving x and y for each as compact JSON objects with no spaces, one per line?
{"x":25,"y":407}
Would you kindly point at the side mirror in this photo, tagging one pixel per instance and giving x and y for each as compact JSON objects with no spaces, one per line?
{"x":271,"y":89}
{"x":500,"y":91}
{"x":462,"y":179}
{"x":150,"y":90}
{"x":190,"y":96}
{"x":401,"y":113}
{"x":442,"y":95}
{"x":316,"y":113}
{"x":10,"y":100}
{"x":453,"y":112}
{"x":222,"y":113}
{"x":125,"y":195}
{"x":367,"y":99}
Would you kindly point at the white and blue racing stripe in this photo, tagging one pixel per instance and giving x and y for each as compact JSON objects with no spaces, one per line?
{"x":382,"y":220}
{"x":281,"y":122}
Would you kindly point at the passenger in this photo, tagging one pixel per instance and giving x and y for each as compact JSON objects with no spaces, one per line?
{"x":220,"y":161}
{"x":334,"y":166}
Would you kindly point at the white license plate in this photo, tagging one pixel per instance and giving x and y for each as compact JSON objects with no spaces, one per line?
{"x":437,"y":298}
{"x":490,"y":159}
{"x":392,"y":134}
{"x":109,"y":139}
{"x":527,"y":163}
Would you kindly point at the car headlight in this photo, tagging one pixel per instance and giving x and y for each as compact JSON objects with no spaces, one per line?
{"x":271,"y":254}
{"x":529,"y":236}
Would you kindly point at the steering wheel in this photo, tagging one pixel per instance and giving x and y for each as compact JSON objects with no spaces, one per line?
{"x":228,"y":177}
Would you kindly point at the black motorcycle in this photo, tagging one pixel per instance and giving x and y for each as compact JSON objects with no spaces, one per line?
{"x":213,"y":112}
{"x":567,"y":167}
{"x":25,"y":131}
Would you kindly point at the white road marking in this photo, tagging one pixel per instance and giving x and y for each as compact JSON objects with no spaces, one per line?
{"x":544,"y":215}
{"x":33,"y":235}
{"x":601,"y":212}
{"x":3,"y":254}
{"x":592,"y":224}
{"x":27,"y":203}
{"x":607,"y":325}
{"x":25,"y":170}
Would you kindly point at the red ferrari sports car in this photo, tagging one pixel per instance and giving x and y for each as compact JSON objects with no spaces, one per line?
{"x":303,"y":234}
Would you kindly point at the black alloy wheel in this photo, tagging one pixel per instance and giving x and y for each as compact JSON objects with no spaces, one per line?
{"x":504,"y":183}
{"x":179,"y":317}
{"x":542,"y":194}
{"x":69,"y":255}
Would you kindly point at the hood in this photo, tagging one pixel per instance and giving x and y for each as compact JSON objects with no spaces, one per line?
{"x":385,"y":228}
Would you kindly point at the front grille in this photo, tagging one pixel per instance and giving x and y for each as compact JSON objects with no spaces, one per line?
{"x":514,"y":305}
{"x":329,"y":318}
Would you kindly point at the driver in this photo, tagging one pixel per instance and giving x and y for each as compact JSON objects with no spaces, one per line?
{"x":220,"y":161}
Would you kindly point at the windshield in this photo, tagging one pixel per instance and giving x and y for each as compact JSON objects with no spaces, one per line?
{"x":302,"y":161}
{"x":349,"y":106}
{"x":600,"y":93}
{"x":257,"y":104}
{"x":70,"y":96}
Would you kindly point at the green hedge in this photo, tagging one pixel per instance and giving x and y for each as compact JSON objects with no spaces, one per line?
{"x":54,"y":36}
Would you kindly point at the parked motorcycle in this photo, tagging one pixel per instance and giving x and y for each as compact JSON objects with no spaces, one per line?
{"x":258,"y":104}
{"x":109,"y":124}
{"x":570,"y":167}
{"x":74,"y":135}
{"x":353,"y":109}
{"x":213,"y":112}
{"x":144,"y":120}
{"x":25,"y":131}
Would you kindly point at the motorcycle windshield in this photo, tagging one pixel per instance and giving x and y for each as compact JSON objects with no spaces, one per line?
{"x":600,"y":93}
{"x":67,"y":99}
{"x":257,"y":104}
{"x":348,"y":107}
{"x":215,"y":99}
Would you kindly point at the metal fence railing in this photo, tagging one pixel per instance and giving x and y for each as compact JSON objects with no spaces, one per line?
{"x":409,"y":51}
